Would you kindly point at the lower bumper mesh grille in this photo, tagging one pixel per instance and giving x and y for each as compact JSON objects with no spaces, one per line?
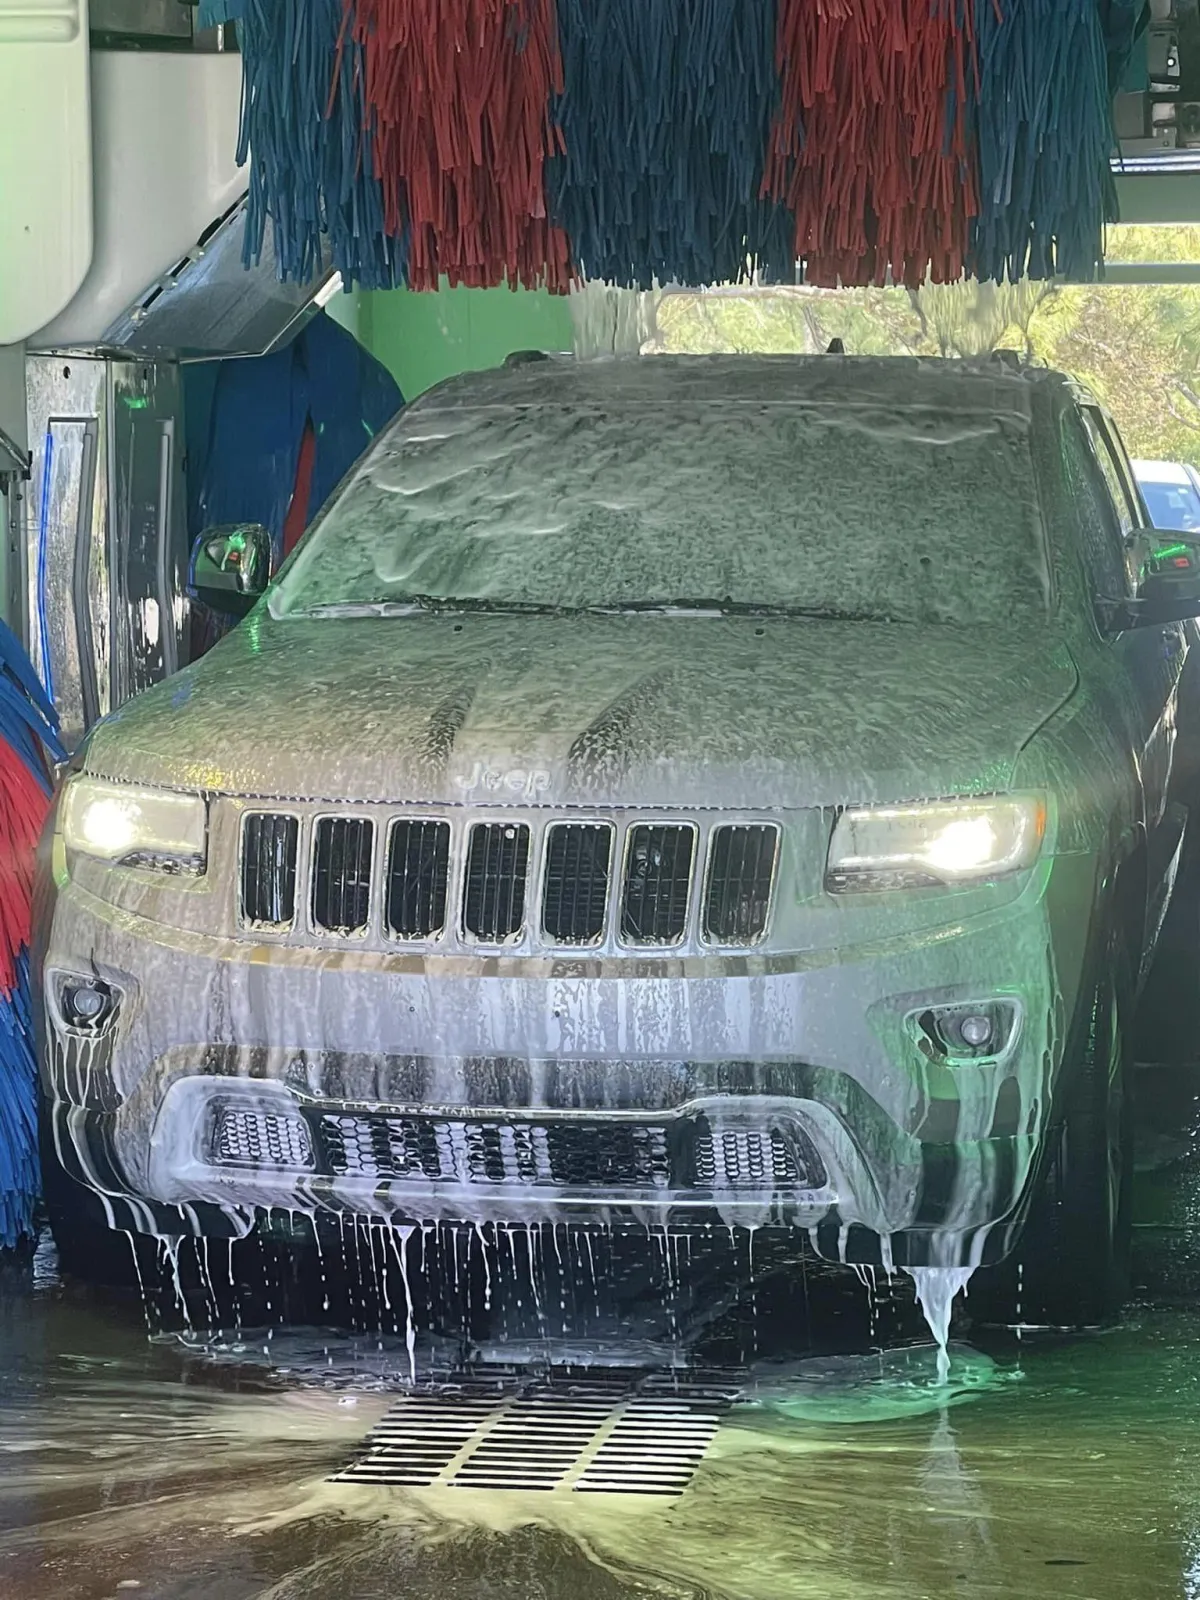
{"x":753,"y":1158}
{"x":561,"y":1154}
{"x":587,"y":1156}
{"x":245,"y":1138}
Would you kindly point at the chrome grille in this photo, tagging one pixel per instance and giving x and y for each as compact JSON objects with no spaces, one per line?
{"x":658,"y":881}
{"x":417,"y":874}
{"x":575,"y":888}
{"x":269,"y":848}
{"x":341,"y":896}
{"x":572,"y":878}
{"x":497,"y":866}
{"x":741,"y":871}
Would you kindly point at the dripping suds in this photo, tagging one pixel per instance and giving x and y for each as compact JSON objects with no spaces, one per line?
{"x":936,"y":1289}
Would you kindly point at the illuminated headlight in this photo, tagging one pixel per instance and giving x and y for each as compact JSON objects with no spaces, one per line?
{"x":947,"y":842}
{"x":134,"y":827}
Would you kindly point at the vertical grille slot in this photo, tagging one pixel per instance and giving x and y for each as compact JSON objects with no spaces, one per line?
{"x":575,"y":893}
{"x":658,"y":878}
{"x":341,"y":894}
{"x":418,"y":869}
{"x":497,"y":864}
{"x":741,"y":872}
{"x":269,"y":849}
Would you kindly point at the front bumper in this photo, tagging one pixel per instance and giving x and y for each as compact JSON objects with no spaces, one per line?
{"x":768,"y":1092}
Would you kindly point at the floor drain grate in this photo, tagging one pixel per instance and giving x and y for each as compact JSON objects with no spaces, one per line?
{"x":592,"y":1438}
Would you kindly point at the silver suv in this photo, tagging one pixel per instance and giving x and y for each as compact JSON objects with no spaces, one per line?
{"x":659,"y":794}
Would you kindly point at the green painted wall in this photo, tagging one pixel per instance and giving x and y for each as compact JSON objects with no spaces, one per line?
{"x":423,"y":338}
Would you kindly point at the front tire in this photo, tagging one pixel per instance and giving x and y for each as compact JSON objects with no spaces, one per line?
{"x":1070,"y":1268}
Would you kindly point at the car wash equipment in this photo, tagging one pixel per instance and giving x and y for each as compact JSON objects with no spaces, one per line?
{"x":666,"y":114}
{"x":872,"y":148}
{"x":460,"y":95}
{"x":308,"y":140}
{"x":690,"y":141}
{"x":28,"y":731}
{"x":1045,"y":135}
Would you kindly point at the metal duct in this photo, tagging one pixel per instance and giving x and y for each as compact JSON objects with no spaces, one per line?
{"x":209,"y":307}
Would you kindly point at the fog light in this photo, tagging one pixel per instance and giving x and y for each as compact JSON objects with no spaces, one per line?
{"x":86,"y":1003}
{"x":977,"y":1031}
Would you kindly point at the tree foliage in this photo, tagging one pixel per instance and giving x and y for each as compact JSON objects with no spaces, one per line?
{"x":1137,"y":346}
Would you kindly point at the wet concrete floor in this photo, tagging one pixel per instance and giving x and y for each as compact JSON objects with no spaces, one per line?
{"x":198,"y":1468}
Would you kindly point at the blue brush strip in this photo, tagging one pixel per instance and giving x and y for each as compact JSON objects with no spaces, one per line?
{"x":1045,"y":138}
{"x":29,"y":728}
{"x":312,"y":176}
{"x":667,"y":112}
{"x":19,"y":1167}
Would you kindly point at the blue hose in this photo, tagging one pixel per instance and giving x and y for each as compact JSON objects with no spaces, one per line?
{"x":667,"y":112}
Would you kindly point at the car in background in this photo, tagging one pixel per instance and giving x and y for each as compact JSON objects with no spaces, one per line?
{"x":687,"y":793}
{"x":1171,"y":491}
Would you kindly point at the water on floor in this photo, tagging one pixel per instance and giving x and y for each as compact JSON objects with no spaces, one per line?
{"x":173,"y":1464}
{"x":198,"y":1468}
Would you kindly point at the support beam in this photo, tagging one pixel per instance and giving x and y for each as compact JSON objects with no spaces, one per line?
{"x":14,"y":438}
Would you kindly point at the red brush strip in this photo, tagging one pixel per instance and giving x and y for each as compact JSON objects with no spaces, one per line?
{"x":23,"y":810}
{"x":460,"y":92}
{"x":861,"y":150}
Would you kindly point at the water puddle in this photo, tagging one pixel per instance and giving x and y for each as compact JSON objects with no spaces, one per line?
{"x":836,"y":1390}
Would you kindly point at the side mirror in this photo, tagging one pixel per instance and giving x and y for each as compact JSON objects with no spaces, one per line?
{"x":1170,"y":586}
{"x":231,"y":567}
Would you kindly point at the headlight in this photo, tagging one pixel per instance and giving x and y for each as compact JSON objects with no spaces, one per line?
{"x":134,"y":827}
{"x":948,"y":842}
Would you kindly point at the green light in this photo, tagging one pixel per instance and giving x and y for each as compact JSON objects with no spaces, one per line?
{"x":1172,"y":550}
{"x":135,"y":402}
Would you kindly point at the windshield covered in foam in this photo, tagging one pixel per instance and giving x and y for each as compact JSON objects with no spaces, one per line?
{"x":917,"y":515}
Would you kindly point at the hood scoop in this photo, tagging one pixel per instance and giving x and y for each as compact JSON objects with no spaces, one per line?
{"x":209,"y":307}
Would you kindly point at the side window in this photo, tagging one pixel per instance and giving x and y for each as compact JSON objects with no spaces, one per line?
{"x":1111,"y":460}
{"x":1103,"y":541}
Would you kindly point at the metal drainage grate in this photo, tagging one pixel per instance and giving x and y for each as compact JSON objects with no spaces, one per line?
{"x":589,"y":1438}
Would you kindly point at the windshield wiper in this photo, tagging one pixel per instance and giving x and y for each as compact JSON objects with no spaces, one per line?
{"x":412,"y":605}
{"x":732,"y":608}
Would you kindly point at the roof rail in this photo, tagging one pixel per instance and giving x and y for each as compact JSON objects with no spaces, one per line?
{"x":1008,"y":358}
{"x":837,"y":347}
{"x":526,"y":358}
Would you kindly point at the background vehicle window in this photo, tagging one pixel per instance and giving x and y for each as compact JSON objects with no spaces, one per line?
{"x":1173,"y":505}
{"x":1105,"y":552}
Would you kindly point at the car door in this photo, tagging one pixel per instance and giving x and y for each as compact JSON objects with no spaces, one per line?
{"x":1150,"y":660}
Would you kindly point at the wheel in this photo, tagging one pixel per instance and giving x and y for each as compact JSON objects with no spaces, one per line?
{"x":1070,"y":1268}
{"x":88,"y":1249}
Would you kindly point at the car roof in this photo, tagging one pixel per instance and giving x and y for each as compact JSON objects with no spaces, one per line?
{"x":902,"y":383}
{"x":1162,"y":472}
